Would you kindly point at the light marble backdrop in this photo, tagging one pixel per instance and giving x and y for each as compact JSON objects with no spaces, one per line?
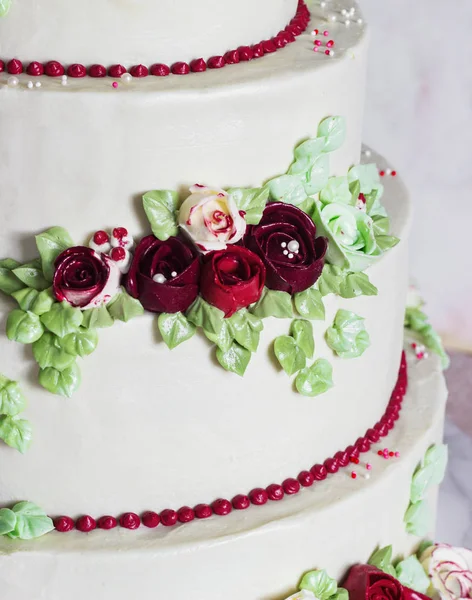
{"x":419,"y":114}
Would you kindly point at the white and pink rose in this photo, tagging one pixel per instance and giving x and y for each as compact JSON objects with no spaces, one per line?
{"x":450,"y":571}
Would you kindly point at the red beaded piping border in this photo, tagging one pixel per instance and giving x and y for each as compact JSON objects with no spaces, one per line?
{"x":53,"y":68}
{"x":258,"y":496}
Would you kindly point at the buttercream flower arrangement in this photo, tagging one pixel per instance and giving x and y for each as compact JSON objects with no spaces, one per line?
{"x":219,"y":260}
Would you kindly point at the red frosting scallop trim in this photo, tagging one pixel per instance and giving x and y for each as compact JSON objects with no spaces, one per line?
{"x":258,"y":496}
{"x":53,"y":68}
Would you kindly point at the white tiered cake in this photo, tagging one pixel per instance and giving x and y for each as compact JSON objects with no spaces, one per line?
{"x":165,"y":474}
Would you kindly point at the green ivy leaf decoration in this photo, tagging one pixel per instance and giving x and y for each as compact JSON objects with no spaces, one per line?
{"x":31,"y":522}
{"x":62,"y":319}
{"x":290,"y":356}
{"x":206,"y":316}
{"x":330,"y":280}
{"x":26,"y":297}
{"x":381,"y":225}
{"x":124,"y":307}
{"x":337,"y":190}
{"x":49,"y":352}
{"x":236,"y":359}
{"x":223,"y":339}
{"x":347,"y":337}
{"x":4,"y":7}
{"x":309,"y":304}
{"x":320,"y":584}
{"x":287,"y":188}
{"x":341,"y":594}
{"x":357,"y":284}
{"x":421,"y":482}
{"x":160,"y":207}
{"x":12,"y":401}
{"x":316,"y":379}
{"x":82,"y":343}
{"x":437,"y":457}
{"x":418,"y":518}
{"x":7,"y":521}
{"x":302,"y":333}
{"x":305,"y":155}
{"x":252,"y":201}
{"x":386,"y":242}
{"x":97,"y":318}
{"x":410,"y":573}
{"x":175,"y":329}
{"x":50,"y":244}
{"x":43,"y":303}
{"x":63,"y":383}
{"x":417,"y":321}
{"x":333,"y":129}
{"x":317,"y":178}
{"x":9,"y":282}
{"x":273,"y":303}
{"x":382,"y":559}
{"x":24,"y":327}
{"x":16,"y":433}
{"x":245,"y":328}
{"x":32,"y":276}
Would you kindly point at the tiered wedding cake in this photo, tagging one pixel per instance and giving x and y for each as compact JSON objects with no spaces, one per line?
{"x":239,"y":420}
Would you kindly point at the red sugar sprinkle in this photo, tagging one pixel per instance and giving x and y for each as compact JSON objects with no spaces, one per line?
{"x":354,"y":475}
{"x":380,"y":452}
{"x":391,"y":453}
{"x":382,"y":173}
{"x":330,"y":44}
{"x":394,"y":173}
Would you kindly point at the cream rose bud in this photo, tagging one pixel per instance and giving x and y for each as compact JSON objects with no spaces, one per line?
{"x":211,"y":219}
{"x":121,"y":238}
{"x":450,"y":571}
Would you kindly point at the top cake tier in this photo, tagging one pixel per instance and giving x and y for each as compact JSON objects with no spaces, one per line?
{"x":137,"y":31}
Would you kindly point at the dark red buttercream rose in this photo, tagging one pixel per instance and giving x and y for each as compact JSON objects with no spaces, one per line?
{"x":286,"y":241}
{"x":164,"y":275}
{"x":232,"y":278}
{"x":84,"y":278}
{"x":365,"y":582}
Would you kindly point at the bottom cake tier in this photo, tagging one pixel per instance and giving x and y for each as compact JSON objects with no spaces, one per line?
{"x":258,"y":554}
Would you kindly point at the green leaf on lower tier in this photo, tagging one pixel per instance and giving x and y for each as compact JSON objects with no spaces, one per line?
{"x":385,"y":242}
{"x":382,"y":559}
{"x":357,"y":284}
{"x":320,"y":584}
{"x":419,"y":519}
{"x":160,"y":207}
{"x":32,"y":276}
{"x":97,"y":318}
{"x":24,"y":326}
{"x":290,"y":356}
{"x":333,"y":129}
{"x":341,"y":594}
{"x":9,"y":282}
{"x":62,"y":319}
{"x":309,"y":304}
{"x":31,"y":522}
{"x":273,"y":303}
{"x":316,"y":379}
{"x":124,"y":307}
{"x":410,"y":573}
{"x":330,"y":280}
{"x":347,"y":337}
{"x":48,"y":351}
{"x":236,"y":359}
{"x":437,"y":457}
{"x":63,"y":383}
{"x":252,"y":201}
{"x":7,"y":521}
{"x":175,"y":329}
{"x":50,"y":244}
{"x":81,"y":343}
{"x":12,"y":401}
{"x":26,"y":298}
{"x":417,"y":321}
{"x":421,"y":481}
{"x":302,"y":333}
{"x":381,"y":225}
{"x":223,"y":339}
{"x":4,"y":7}
{"x":16,"y":433}
{"x":245,"y":328}
{"x":206,"y":316}
{"x":287,"y":188}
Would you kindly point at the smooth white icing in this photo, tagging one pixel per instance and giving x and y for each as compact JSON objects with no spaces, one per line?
{"x":258,"y":554}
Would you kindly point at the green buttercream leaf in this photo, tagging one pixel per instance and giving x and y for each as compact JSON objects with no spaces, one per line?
{"x":62,"y":319}
{"x":49,"y":352}
{"x":320,"y":584}
{"x":317,"y":178}
{"x":410,"y":573}
{"x":7,"y":521}
{"x":252,"y":201}
{"x":31,"y":522}
{"x":355,"y":189}
{"x":341,"y":594}
{"x":419,"y":519}
{"x":124,"y":307}
{"x":302,"y":333}
{"x":437,"y":457}
{"x":316,"y":379}
{"x":290,"y":356}
{"x":273,"y":303}
{"x":32,"y":276}
{"x":97,"y":318}
{"x":309,"y":304}
{"x":381,"y":225}
{"x":9,"y":282}
{"x":25,"y":298}
{"x":331,"y":279}
{"x":425,"y":544}
{"x":347,"y":337}
{"x":245,"y":328}
{"x":50,"y":244}
{"x":16,"y":432}
{"x":357,"y":284}
{"x":385,"y":242}
{"x":80,"y":343}
{"x":4,"y":8}
{"x":367,"y":176}
{"x":421,"y":482}
{"x":307,"y":206}
{"x":12,"y":401}
{"x":223,"y":339}
{"x":333,"y":129}
{"x":287,"y":188}
{"x":24,"y":327}
{"x":63,"y":383}
{"x":206,"y":316}
{"x":382,"y":559}
{"x":305,"y":155}
{"x":236,"y":359}
{"x":337,"y":190}
{"x":175,"y":329}
{"x":417,"y":321}
{"x":160,"y":207}
{"x":43,"y":302}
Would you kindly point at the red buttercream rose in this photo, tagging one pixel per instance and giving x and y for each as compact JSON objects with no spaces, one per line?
{"x":164,"y":275}
{"x":232,"y":279}
{"x":286,"y":241}
{"x":365,"y":582}
{"x":84,"y":278}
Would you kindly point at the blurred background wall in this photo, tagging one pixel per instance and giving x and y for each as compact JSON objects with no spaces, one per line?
{"x":419,"y":114}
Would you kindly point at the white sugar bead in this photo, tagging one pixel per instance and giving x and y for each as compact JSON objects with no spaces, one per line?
{"x":38,"y":84}
{"x":285,"y":252}
{"x":290,"y":255}
{"x":127,"y":78}
{"x":174,"y":274}
{"x":30,"y":85}
{"x":159,"y":278}
{"x":284,"y":244}
{"x":293,"y":246}
{"x":13,"y":81}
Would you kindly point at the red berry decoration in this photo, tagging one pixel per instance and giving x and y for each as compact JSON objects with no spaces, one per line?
{"x":97,"y":71}
{"x":130,"y":521}
{"x":2,"y":66}
{"x":203,"y":511}
{"x":332,"y":465}
{"x":221,"y":507}
{"x":231,"y":57}
{"x":258,"y":51}
{"x":118,"y":254}
{"x":372,"y":435}
{"x":150,"y":519}
{"x":291,"y":486}
{"x":180,"y":68}
{"x":54,"y":69}
{"x":139,"y":71}
{"x":168,"y":517}
{"x":342,"y":458}
{"x":185,"y":514}
{"x":275,"y":492}
{"x":241,"y":502}
{"x":216,"y":62}
{"x":116,"y":71}
{"x":86,"y":524}
{"x":363,"y":444}
{"x":353,"y":451}
{"x":76,"y":71}
{"x":15,"y":67}
{"x":101,"y":237}
{"x":306,"y":479}
{"x":159,"y":70}
{"x":107,"y":522}
{"x":198,"y":65}
{"x":35,"y":69}
{"x":245,"y":53}
{"x":258,"y":496}
{"x":64,"y":524}
{"x":120,"y":232}
{"x":319,"y":472}
{"x":269,"y":46}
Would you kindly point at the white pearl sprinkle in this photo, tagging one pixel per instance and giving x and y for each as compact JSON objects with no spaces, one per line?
{"x":332,"y":18}
{"x":64,"y":77}
{"x":127,"y":77}
{"x":285,"y":252}
{"x":294,"y":246}
{"x":290,"y":255}
{"x":30,"y":85}
{"x":352,"y":11}
{"x":38,"y":84}
{"x":367,"y":153}
{"x":64,"y":80}
{"x":284,"y":244}
{"x":360,"y":21}
{"x":366,"y":476}
{"x":388,"y":171}
{"x":13,"y":81}
{"x":159,"y":278}
{"x":331,"y":52}
{"x":323,"y":4}
{"x":344,"y":12}
{"x":347,"y":23}
{"x":173,"y":274}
